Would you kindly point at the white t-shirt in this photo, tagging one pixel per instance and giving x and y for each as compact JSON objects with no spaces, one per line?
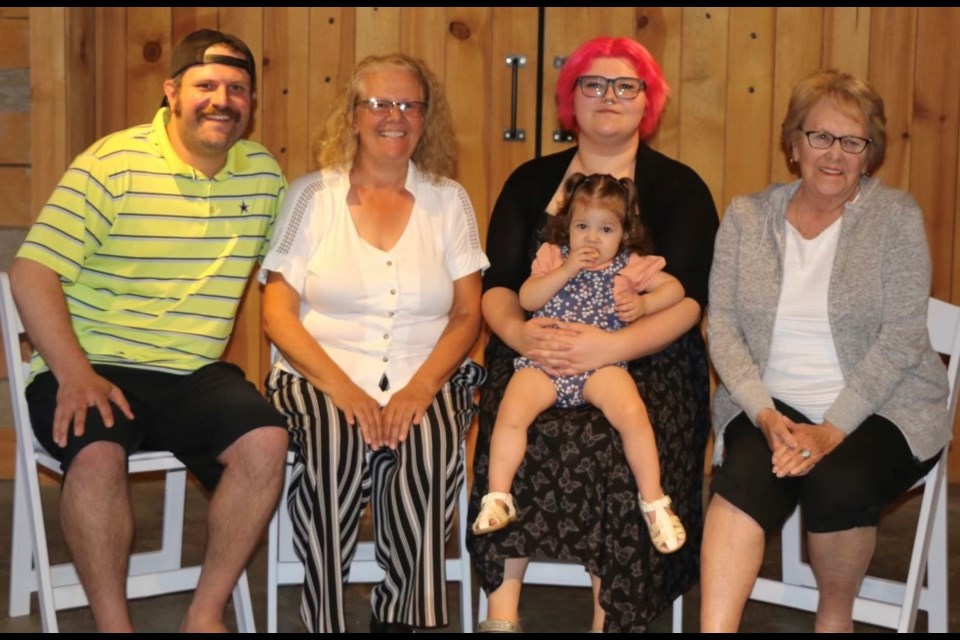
{"x":803,"y":369}
{"x":374,"y":312}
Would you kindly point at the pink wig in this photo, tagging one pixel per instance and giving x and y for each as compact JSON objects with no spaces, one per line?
{"x":606,"y":47}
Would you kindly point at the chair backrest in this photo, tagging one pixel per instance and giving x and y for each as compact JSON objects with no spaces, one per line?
{"x":12,"y":330}
{"x":17,"y":370}
{"x":943,"y":325}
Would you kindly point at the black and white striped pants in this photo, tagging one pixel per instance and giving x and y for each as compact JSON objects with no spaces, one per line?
{"x":414,"y":491}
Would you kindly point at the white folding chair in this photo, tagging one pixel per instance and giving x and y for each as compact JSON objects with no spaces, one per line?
{"x":57,"y":587}
{"x":883,"y":602}
{"x":565,"y":574}
{"x":284,"y":568}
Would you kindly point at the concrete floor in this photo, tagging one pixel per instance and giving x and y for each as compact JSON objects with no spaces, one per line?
{"x":544,"y":609}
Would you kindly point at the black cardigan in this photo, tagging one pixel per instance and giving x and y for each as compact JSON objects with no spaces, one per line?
{"x":675,"y":205}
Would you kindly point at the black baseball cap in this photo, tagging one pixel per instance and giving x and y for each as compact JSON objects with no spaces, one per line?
{"x":192,"y":51}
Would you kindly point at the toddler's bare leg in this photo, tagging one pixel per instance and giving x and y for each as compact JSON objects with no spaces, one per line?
{"x":613,"y":391}
{"x":529,"y":392}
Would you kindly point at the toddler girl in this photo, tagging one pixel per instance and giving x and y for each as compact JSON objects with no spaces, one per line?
{"x":588,"y":271}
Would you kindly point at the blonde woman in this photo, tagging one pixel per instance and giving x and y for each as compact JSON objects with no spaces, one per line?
{"x":372,"y":302}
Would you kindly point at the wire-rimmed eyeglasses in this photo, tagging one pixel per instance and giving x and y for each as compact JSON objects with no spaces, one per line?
{"x":381,"y":107}
{"x":596,"y":86}
{"x":825,"y":140}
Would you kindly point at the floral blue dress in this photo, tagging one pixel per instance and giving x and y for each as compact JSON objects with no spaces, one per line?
{"x":587,"y":298}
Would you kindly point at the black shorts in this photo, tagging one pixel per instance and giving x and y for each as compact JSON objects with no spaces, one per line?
{"x":195,"y":416}
{"x":848,"y":488}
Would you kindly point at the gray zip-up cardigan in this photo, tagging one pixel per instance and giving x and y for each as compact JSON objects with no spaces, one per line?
{"x":877,"y":307}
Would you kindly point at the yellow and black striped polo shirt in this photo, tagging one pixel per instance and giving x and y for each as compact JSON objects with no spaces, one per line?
{"x":153,"y":255}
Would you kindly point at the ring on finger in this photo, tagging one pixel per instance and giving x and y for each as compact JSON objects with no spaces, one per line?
{"x":805,"y":453}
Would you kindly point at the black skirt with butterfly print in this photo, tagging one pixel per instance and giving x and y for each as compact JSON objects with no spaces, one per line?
{"x":577,"y":499}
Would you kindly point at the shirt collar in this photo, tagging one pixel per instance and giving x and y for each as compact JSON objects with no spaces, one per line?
{"x":413,"y":179}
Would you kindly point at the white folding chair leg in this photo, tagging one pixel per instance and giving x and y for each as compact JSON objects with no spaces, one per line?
{"x":32,"y":552}
{"x":243,"y":605}
{"x":466,"y":604}
{"x":465,"y":565}
{"x":21,"y":551}
{"x":927,"y":542}
{"x":273,"y":557}
{"x":795,"y":570}
{"x":173,"y":506}
{"x":482,"y":606}
{"x":169,"y":556}
{"x":937,"y":604}
{"x":678,"y":615}
{"x":277,"y":558}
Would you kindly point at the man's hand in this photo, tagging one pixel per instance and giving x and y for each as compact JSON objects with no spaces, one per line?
{"x":43,"y":308}
{"x":77,"y":394}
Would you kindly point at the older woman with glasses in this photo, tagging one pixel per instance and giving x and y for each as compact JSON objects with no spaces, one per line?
{"x":831,"y":394}
{"x":576,"y":499}
{"x":372,"y":302}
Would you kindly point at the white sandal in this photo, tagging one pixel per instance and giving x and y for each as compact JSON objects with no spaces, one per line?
{"x":666,"y":530}
{"x":491,"y":509}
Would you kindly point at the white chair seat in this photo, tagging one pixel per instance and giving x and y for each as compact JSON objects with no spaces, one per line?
{"x":151,"y":572}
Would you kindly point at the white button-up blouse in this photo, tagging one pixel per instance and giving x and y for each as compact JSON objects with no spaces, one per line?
{"x":376,"y":313}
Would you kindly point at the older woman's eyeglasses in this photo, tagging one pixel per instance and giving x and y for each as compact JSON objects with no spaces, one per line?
{"x":381,"y":107}
{"x":825,"y":140}
{"x":596,"y":86}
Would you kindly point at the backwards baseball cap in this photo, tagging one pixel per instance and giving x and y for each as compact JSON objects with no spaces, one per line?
{"x":192,"y":51}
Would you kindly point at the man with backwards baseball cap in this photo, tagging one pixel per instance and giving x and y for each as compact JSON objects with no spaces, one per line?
{"x":128,"y":285}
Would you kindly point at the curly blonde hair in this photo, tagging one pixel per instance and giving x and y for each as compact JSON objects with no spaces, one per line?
{"x":436,"y":153}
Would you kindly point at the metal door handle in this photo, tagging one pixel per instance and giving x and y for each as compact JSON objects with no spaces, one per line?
{"x":513,"y":134}
{"x":561,"y":135}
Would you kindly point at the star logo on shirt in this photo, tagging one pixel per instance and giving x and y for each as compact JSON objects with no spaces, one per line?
{"x":244,"y":207}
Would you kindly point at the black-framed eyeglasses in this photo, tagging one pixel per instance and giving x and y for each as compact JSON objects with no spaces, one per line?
{"x":596,"y":86}
{"x":382,"y":107}
{"x":825,"y":140}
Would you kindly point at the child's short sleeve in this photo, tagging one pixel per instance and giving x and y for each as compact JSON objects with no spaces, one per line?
{"x":636,"y":276}
{"x":548,"y":259}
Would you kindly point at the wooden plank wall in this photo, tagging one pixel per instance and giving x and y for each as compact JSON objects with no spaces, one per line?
{"x":96,"y":70}
{"x":14,"y":121}
{"x":14,"y":116}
